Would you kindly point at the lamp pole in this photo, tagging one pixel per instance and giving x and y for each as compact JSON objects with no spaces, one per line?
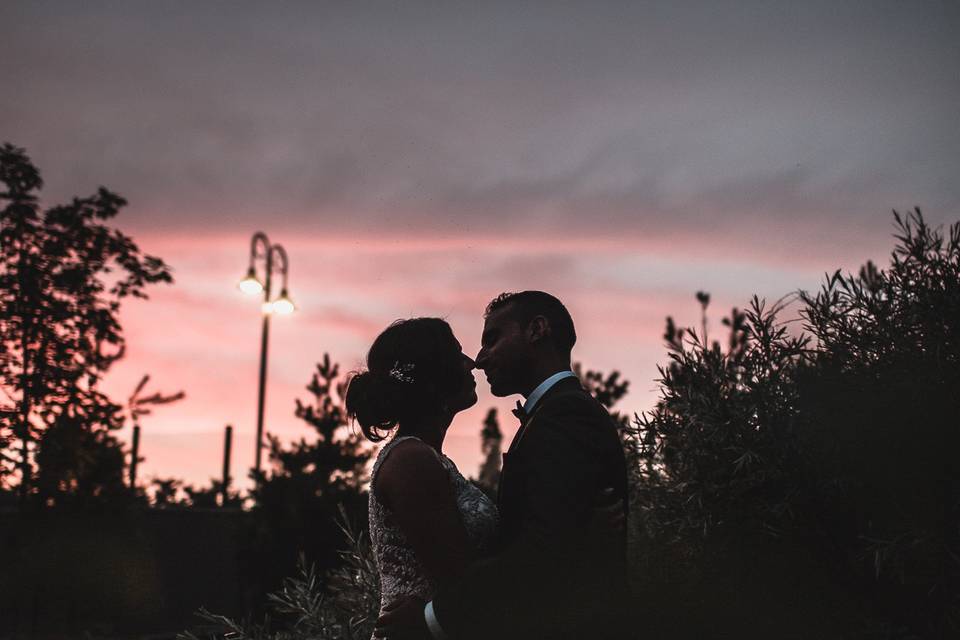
{"x":274,"y":257}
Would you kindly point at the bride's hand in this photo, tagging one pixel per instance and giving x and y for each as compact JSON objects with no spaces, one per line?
{"x":403,"y":620}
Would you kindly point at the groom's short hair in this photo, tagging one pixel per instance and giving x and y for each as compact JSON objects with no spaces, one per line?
{"x":526,"y":305}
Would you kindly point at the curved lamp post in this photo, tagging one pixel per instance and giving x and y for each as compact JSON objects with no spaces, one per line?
{"x":274,"y":258}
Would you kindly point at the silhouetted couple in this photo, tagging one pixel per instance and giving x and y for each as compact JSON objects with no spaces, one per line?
{"x":538,"y":563}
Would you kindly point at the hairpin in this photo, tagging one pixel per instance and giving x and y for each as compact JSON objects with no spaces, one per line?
{"x":402,"y":372}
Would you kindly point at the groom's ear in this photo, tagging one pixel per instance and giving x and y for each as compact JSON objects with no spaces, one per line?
{"x":538,"y":329}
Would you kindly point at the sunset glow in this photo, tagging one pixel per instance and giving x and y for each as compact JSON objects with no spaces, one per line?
{"x":610,"y":157}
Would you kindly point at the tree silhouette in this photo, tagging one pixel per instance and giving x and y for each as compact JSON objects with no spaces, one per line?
{"x":212,"y":496}
{"x":607,"y":390}
{"x":166,"y":493}
{"x":881,"y":422}
{"x":488,"y":477}
{"x":833,"y":448}
{"x":298,"y":497}
{"x":716,"y":450}
{"x":137,"y":407}
{"x":332,"y":462}
{"x":63,"y":275}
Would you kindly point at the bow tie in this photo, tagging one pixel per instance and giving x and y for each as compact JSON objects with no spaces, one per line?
{"x":521,"y":414}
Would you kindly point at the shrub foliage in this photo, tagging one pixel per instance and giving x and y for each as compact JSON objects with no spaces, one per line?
{"x":836,"y":443}
{"x":63,"y":275}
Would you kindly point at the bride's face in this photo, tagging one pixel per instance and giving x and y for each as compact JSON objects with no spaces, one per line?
{"x":466,"y":394}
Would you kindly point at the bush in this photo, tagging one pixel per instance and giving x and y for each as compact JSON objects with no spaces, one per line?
{"x":830,"y":451}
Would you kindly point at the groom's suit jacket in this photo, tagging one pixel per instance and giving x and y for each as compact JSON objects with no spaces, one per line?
{"x":555,"y":576}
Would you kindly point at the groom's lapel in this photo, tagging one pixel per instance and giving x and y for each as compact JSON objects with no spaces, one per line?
{"x":505,"y":467}
{"x":565,"y":385}
{"x":521,"y":429}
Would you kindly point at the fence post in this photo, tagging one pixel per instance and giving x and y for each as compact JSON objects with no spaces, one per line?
{"x":227,"y":440}
{"x":134,"y":453}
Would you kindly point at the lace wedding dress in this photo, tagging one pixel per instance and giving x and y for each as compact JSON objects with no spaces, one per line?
{"x":401,"y":574}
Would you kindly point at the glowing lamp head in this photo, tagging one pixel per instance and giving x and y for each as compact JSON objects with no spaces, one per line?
{"x":250,"y":285}
{"x":283,"y":305}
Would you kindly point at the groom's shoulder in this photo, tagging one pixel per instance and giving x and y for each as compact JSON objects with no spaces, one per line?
{"x":572,"y":421}
{"x":573,"y":406}
{"x":569,"y":395}
{"x":575,"y":399}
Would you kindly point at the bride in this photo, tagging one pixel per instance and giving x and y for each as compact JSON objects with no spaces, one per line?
{"x":427,"y":522}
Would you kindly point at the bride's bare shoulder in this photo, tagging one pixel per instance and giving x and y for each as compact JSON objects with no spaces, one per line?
{"x":410,"y":465}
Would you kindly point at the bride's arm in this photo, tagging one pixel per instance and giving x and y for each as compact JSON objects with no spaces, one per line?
{"x":415,"y":487}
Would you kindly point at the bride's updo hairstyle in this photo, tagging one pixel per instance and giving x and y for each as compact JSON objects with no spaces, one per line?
{"x":413,"y":367}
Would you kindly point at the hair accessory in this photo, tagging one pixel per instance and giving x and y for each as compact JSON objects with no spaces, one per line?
{"x":402,"y":372}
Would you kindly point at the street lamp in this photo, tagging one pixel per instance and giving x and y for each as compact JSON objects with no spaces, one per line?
{"x":262,"y":251}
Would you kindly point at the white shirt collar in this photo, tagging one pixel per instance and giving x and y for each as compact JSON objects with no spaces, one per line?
{"x":543,"y":387}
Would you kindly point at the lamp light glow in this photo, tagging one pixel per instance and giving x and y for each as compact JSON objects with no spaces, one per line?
{"x":283,"y":305}
{"x":250,"y":285}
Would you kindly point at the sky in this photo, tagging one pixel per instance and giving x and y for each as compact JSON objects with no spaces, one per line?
{"x":416,"y":159}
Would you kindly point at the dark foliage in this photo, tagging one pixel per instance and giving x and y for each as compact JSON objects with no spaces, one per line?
{"x":491,"y":442}
{"x":297,"y":499}
{"x":718,"y":451}
{"x":341,"y":605}
{"x":882,"y":423}
{"x":63,"y":275}
{"x":607,"y":390}
{"x":814,"y":469}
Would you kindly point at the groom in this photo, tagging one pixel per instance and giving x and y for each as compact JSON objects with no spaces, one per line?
{"x":554,"y":576}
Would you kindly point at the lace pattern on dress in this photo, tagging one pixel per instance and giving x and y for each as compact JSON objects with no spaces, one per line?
{"x":401,"y":573}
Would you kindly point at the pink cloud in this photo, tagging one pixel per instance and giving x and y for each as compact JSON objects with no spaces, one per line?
{"x":202,"y":335}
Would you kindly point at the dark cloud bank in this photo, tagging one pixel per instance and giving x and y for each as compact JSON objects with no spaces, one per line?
{"x":632,"y":118}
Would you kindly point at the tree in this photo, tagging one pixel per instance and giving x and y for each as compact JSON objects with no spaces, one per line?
{"x":607,"y":390}
{"x":297,"y":499}
{"x":63,"y":275}
{"x":213,"y":495}
{"x":138,"y":406}
{"x":80,"y":463}
{"x":335,"y":460}
{"x":167,"y":493}
{"x":488,"y":477}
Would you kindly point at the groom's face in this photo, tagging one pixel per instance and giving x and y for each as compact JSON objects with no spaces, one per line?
{"x":504,"y":353}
